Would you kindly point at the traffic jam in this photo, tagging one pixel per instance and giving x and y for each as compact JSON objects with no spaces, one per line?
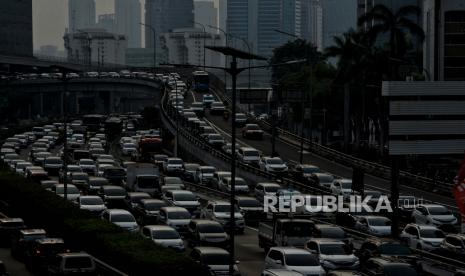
{"x":127,"y":174}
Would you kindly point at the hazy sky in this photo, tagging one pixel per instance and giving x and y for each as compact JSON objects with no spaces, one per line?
{"x":51,"y":18}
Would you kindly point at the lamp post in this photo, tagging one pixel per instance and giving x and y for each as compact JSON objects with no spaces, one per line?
{"x":225,"y":59}
{"x":204,"y":41}
{"x":307,"y":56}
{"x":248,"y":48}
{"x":154,"y":43}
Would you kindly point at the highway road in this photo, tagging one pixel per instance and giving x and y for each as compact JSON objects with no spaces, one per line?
{"x":13,"y":267}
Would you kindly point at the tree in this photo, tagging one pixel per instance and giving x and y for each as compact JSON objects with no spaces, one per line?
{"x":400,"y":28}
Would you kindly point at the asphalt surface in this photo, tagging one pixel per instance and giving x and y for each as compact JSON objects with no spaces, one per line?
{"x":13,"y":267}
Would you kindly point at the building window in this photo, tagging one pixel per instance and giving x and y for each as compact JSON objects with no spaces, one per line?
{"x":454,"y":45}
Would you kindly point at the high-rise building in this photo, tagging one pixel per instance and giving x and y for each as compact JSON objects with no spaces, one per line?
{"x":222,"y":8}
{"x":16,"y":27}
{"x":338,"y":17}
{"x":81,"y":14}
{"x":444,"y":47}
{"x":128,"y":17}
{"x":206,"y":14}
{"x":364,"y":6}
{"x":311,"y":26}
{"x":166,"y":15}
{"x":107,"y":22}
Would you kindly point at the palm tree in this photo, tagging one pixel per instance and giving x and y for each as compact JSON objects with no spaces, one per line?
{"x":398,"y":25}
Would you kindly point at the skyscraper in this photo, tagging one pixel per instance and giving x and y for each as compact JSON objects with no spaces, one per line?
{"x":81,"y":14}
{"x":338,"y":17}
{"x":128,"y":18}
{"x":311,"y":26}
{"x":205,"y":13}
{"x":16,"y":27}
{"x":107,"y":22}
{"x":166,"y":15}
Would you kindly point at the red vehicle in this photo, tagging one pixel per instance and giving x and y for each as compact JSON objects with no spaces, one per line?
{"x":149,"y":146}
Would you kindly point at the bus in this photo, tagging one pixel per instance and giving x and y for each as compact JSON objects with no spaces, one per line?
{"x":201,"y":81}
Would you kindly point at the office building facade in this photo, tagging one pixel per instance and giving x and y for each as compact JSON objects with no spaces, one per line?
{"x":16,"y":27}
{"x":338,"y":18}
{"x":81,"y":15}
{"x":312,"y":22}
{"x":206,"y":14}
{"x":128,"y":17}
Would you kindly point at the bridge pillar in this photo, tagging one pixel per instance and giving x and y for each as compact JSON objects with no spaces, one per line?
{"x":41,"y":103}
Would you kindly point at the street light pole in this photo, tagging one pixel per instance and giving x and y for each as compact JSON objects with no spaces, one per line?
{"x":204,"y":41}
{"x":154,"y":43}
{"x":249,"y":70}
{"x":225,"y":58}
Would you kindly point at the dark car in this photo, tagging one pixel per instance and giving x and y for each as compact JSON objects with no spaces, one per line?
{"x":372,"y":248}
{"x":206,"y":233}
{"x":302,"y":172}
{"x":23,"y":240}
{"x":327,"y":231}
{"x":9,"y":227}
{"x":115,"y":175}
{"x":386,"y":267}
{"x":148,"y":210}
{"x":251,"y":209}
{"x":113,"y":196}
{"x":42,"y":252}
{"x":133,"y":199}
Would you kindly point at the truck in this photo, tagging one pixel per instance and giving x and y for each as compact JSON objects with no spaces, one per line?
{"x":148,"y":146}
{"x":143,"y":177}
{"x":284,"y":230}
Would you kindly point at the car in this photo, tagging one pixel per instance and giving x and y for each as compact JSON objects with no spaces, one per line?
{"x":302,"y":172}
{"x":204,"y":174}
{"x":128,"y":149}
{"x":42,"y":253}
{"x":422,"y":237}
{"x":164,"y":235}
{"x":286,"y":195}
{"x":148,"y":209}
{"x":347,"y":215}
{"x":252,"y":131}
{"x":217,"y":108}
{"x":198,"y":108}
{"x":36,"y":174}
{"x":182,"y":198}
{"x":241,"y":119}
{"x":171,"y":180}
{"x":79,"y":179}
{"x":250,"y":207}
{"x":248,"y":156}
{"x":334,"y":232}
{"x":266,"y":189}
{"x":382,"y":266}
{"x":273,"y":165}
{"x":453,"y":246}
{"x":227,"y":148}
{"x":220,"y":211}
{"x":176,"y":217}
{"x":323,"y":180}
{"x":115,"y":175}
{"x":374,"y":225}
{"x":72,"y":263}
{"x":92,"y":204}
{"x":341,"y":187}
{"x":217,"y":179}
{"x":333,"y":254}
{"x":48,"y":184}
{"x":280,"y":272}
{"x":112,"y":195}
{"x":72,"y":192}
{"x":215,"y":140}
{"x":173,"y":165}
{"x":69,"y":170}
{"x":95,"y":183}
{"x":8,"y":227}
{"x":20,"y":167}
{"x":213,"y":260}
{"x":433,"y":214}
{"x":23,"y":239}
{"x":207,"y":100}
{"x":385,"y":248}
{"x":240,"y":187}
{"x":202,"y":232}
{"x":88,"y":166}
{"x":293,"y":259}
{"x":205,"y":131}
{"x":189,"y":170}
{"x":121,"y":218}
{"x":133,"y":199}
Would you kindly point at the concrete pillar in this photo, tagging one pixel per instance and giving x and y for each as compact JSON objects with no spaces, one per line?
{"x":41,"y":104}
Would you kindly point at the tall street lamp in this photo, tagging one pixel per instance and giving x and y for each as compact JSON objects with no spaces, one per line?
{"x":249,"y":70}
{"x":225,"y":60}
{"x":154,"y":43}
{"x":204,"y":41}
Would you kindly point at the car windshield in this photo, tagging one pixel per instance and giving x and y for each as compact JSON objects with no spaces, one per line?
{"x":346,"y":185}
{"x":439,"y":211}
{"x":33,"y":237}
{"x":184,"y":197}
{"x":70,"y":190}
{"x":324,"y":178}
{"x":53,"y":161}
{"x":154,"y":206}
{"x":310,"y":170}
{"x":394,"y":249}
{"x":272,"y":189}
{"x":399,"y":269}
{"x":122,"y":218}
{"x":173,"y":180}
{"x":253,"y":127}
{"x":431,"y":234}
{"x":91,"y":201}
{"x":215,"y":137}
{"x":301,"y":260}
{"x":80,"y":177}
{"x":175,"y":161}
{"x":249,"y":203}
{"x":179,"y":215}
{"x":379,"y":221}
{"x":216,"y":259}
{"x":334,"y":249}
{"x":297,"y":229}
{"x":115,"y":192}
{"x":208,"y":170}
{"x":78,"y":262}
{"x":251,"y":153}
{"x":333,"y":233}
{"x":147,"y":182}
{"x":87,"y":162}
{"x":225,"y":208}
{"x":190,"y":167}
{"x":210,"y":228}
{"x":274,"y":161}
{"x":165,"y":235}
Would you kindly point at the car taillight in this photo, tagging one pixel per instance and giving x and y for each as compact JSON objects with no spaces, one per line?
{"x":38,"y":252}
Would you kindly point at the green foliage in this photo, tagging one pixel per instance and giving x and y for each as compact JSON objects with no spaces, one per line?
{"x":82,"y":231}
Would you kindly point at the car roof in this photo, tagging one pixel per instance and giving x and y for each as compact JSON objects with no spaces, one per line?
{"x":149,"y":200}
{"x":421,"y":226}
{"x":210,"y":250}
{"x":117,"y":211}
{"x":49,"y":241}
{"x":75,"y":254}
{"x":283,"y":272}
{"x":205,"y":221}
{"x":182,"y":192}
{"x":327,"y":241}
{"x":206,"y":167}
{"x":291,"y":250}
{"x":33,"y":232}
{"x":112,"y":187}
{"x":269,"y":184}
{"x":131,"y":194}
{"x":174,"y":209}
{"x":432,"y":205}
{"x":159,"y":227}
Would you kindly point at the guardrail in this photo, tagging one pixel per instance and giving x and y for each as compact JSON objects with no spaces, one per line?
{"x":372,"y":168}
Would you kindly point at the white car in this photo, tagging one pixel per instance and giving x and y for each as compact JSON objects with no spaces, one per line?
{"x":88,"y":166}
{"x":220,"y":211}
{"x":72,"y":193}
{"x":121,"y":218}
{"x":176,"y":217}
{"x":92,"y":204}
{"x":273,"y":165}
{"x":204,"y":174}
{"x":20,"y":167}
{"x":333,"y":254}
{"x":422,"y":237}
{"x":129,"y":148}
{"x":173,"y":165}
{"x":240,"y":186}
{"x":341,"y":187}
{"x":182,"y":198}
{"x":248,"y":155}
{"x":266,"y":189}
{"x":374,"y":225}
{"x":433,"y":214}
{"x":164,"y":235}
{"x":293,"y":259}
